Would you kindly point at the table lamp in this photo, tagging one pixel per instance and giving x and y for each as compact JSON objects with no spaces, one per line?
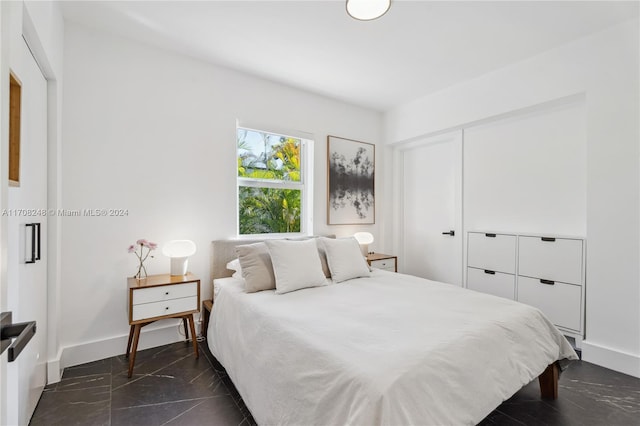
{"x":179,"y":252}
{"x":364,"y":239}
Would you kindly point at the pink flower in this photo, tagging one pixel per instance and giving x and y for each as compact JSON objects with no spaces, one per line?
{"x":142,"y":255}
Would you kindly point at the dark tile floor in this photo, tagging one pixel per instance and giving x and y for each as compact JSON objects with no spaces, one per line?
{"x":171,"y":387}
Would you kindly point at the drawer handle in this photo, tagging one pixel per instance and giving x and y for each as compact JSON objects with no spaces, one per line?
{"x":166,"y":293}
{"x":548,"y":239}
{"x":486,"y":271}
{"x":167,"y":308}
{"x":547,"y":282}
{"x":490,"y":235}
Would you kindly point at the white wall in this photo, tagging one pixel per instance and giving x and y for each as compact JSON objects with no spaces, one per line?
{"x":604,"y":68}
{"x":154,"y":133}
{"x":544,"y":155}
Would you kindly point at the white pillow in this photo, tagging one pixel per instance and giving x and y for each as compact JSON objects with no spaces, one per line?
{"x":234,"y":265}
{"x":296,"y":265}
{"x":345,"y":259}
{"x":323,"y":256}
{"x":256,"y":267}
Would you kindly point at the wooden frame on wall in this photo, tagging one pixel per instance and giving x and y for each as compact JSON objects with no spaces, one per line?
{"x":15,"y":105}
{"x":350,"y":182}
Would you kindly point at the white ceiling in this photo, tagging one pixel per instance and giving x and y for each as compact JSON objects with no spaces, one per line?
{"x":417,"y":48}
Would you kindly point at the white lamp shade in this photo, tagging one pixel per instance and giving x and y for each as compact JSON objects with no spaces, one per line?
{"x":179,"y":252}
{"x":366,"y":10}
{"x":363,"y":237}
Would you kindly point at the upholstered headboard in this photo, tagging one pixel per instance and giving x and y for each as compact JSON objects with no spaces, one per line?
{"x":224,"y":251}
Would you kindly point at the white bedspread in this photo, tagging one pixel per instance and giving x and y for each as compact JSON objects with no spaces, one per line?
{"x":387,"y":350}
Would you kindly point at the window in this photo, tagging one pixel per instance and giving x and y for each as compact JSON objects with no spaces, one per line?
{"x":273,"y":183}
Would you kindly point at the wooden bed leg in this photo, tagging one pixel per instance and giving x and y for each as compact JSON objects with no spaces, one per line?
{"x":549,"y":382}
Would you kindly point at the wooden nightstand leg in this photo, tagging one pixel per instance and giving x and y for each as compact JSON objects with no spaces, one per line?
{"x":130,"y":339}
{"x":193,"y":335}
{"x":207,"y":305}
{"x":186,"y":332}
{"x":132,"y":358}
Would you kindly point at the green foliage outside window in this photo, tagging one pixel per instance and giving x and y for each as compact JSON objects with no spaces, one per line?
{"x":269,"y":210}
{"x":268,"y":157}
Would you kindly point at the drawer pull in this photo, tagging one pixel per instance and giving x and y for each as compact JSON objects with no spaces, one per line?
{"x":547,"y":282}
{"x":167,"y":308}
{"x":548,"y":239}
{"x":166,"y":293}
{"x":490,"y":235}
{"x":486,"y":271}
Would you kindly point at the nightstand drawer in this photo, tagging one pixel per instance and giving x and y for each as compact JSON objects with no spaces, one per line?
{"x":165,"y":292}
{"x":167,"y":307}
{"x":386,"y":264}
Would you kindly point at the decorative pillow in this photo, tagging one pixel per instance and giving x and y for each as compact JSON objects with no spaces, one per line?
{"x":296,"y":265}
{"x":345,"y":259}
{"x":321,"y":252}
{"x":257,"y":270}
{"x":323,"y":258}
{"x":234,"y":265}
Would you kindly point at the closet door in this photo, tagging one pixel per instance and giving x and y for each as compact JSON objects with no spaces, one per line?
{"x":431,"y":210}
{"x":27,"y":240}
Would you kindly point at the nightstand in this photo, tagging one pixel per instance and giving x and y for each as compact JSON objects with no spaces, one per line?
{"x":383,"y":261}
{"x":207,"y":306}
{"x":160,"y":297}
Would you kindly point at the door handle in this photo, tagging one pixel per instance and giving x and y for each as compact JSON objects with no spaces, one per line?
{"x":38,"y":253}
{"x":452,"y":233}
{"x":35,"y":242}
{"x":20,"y":332}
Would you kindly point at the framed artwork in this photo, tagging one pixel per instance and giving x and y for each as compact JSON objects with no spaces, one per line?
{"x":350,"y":182}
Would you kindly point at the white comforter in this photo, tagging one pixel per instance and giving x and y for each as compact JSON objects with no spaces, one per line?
{"x":387,"y":350}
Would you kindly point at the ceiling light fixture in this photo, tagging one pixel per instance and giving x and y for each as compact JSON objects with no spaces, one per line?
{"x":367,"y":10}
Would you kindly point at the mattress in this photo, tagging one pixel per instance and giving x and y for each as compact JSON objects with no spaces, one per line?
{"x":390,"y":349}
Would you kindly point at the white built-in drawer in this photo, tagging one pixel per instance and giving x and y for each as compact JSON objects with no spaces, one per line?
{"x":491,"y":282}
{"x":386,"y":264}
{"x":556,"y":259}
{"x":166,"y":307}
{"x":560,"y":302}
{"x":164,"y":292}
{"x":496,"y":252}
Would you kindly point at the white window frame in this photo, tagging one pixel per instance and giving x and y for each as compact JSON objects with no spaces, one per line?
{"x":305,"y":185}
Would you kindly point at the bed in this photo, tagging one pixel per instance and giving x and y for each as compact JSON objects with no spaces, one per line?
{"x":388,"y":349}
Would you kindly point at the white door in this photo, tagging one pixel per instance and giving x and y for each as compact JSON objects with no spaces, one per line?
{"x":27,"y":282}
{"x":431,"y":210}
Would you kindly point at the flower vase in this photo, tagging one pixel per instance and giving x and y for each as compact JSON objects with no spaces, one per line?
{"x":142,"y":272}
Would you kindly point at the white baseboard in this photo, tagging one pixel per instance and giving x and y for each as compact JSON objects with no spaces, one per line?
{"x":613,"y":359}
{"x":54,"y":370}
{"x":106,"y":348}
